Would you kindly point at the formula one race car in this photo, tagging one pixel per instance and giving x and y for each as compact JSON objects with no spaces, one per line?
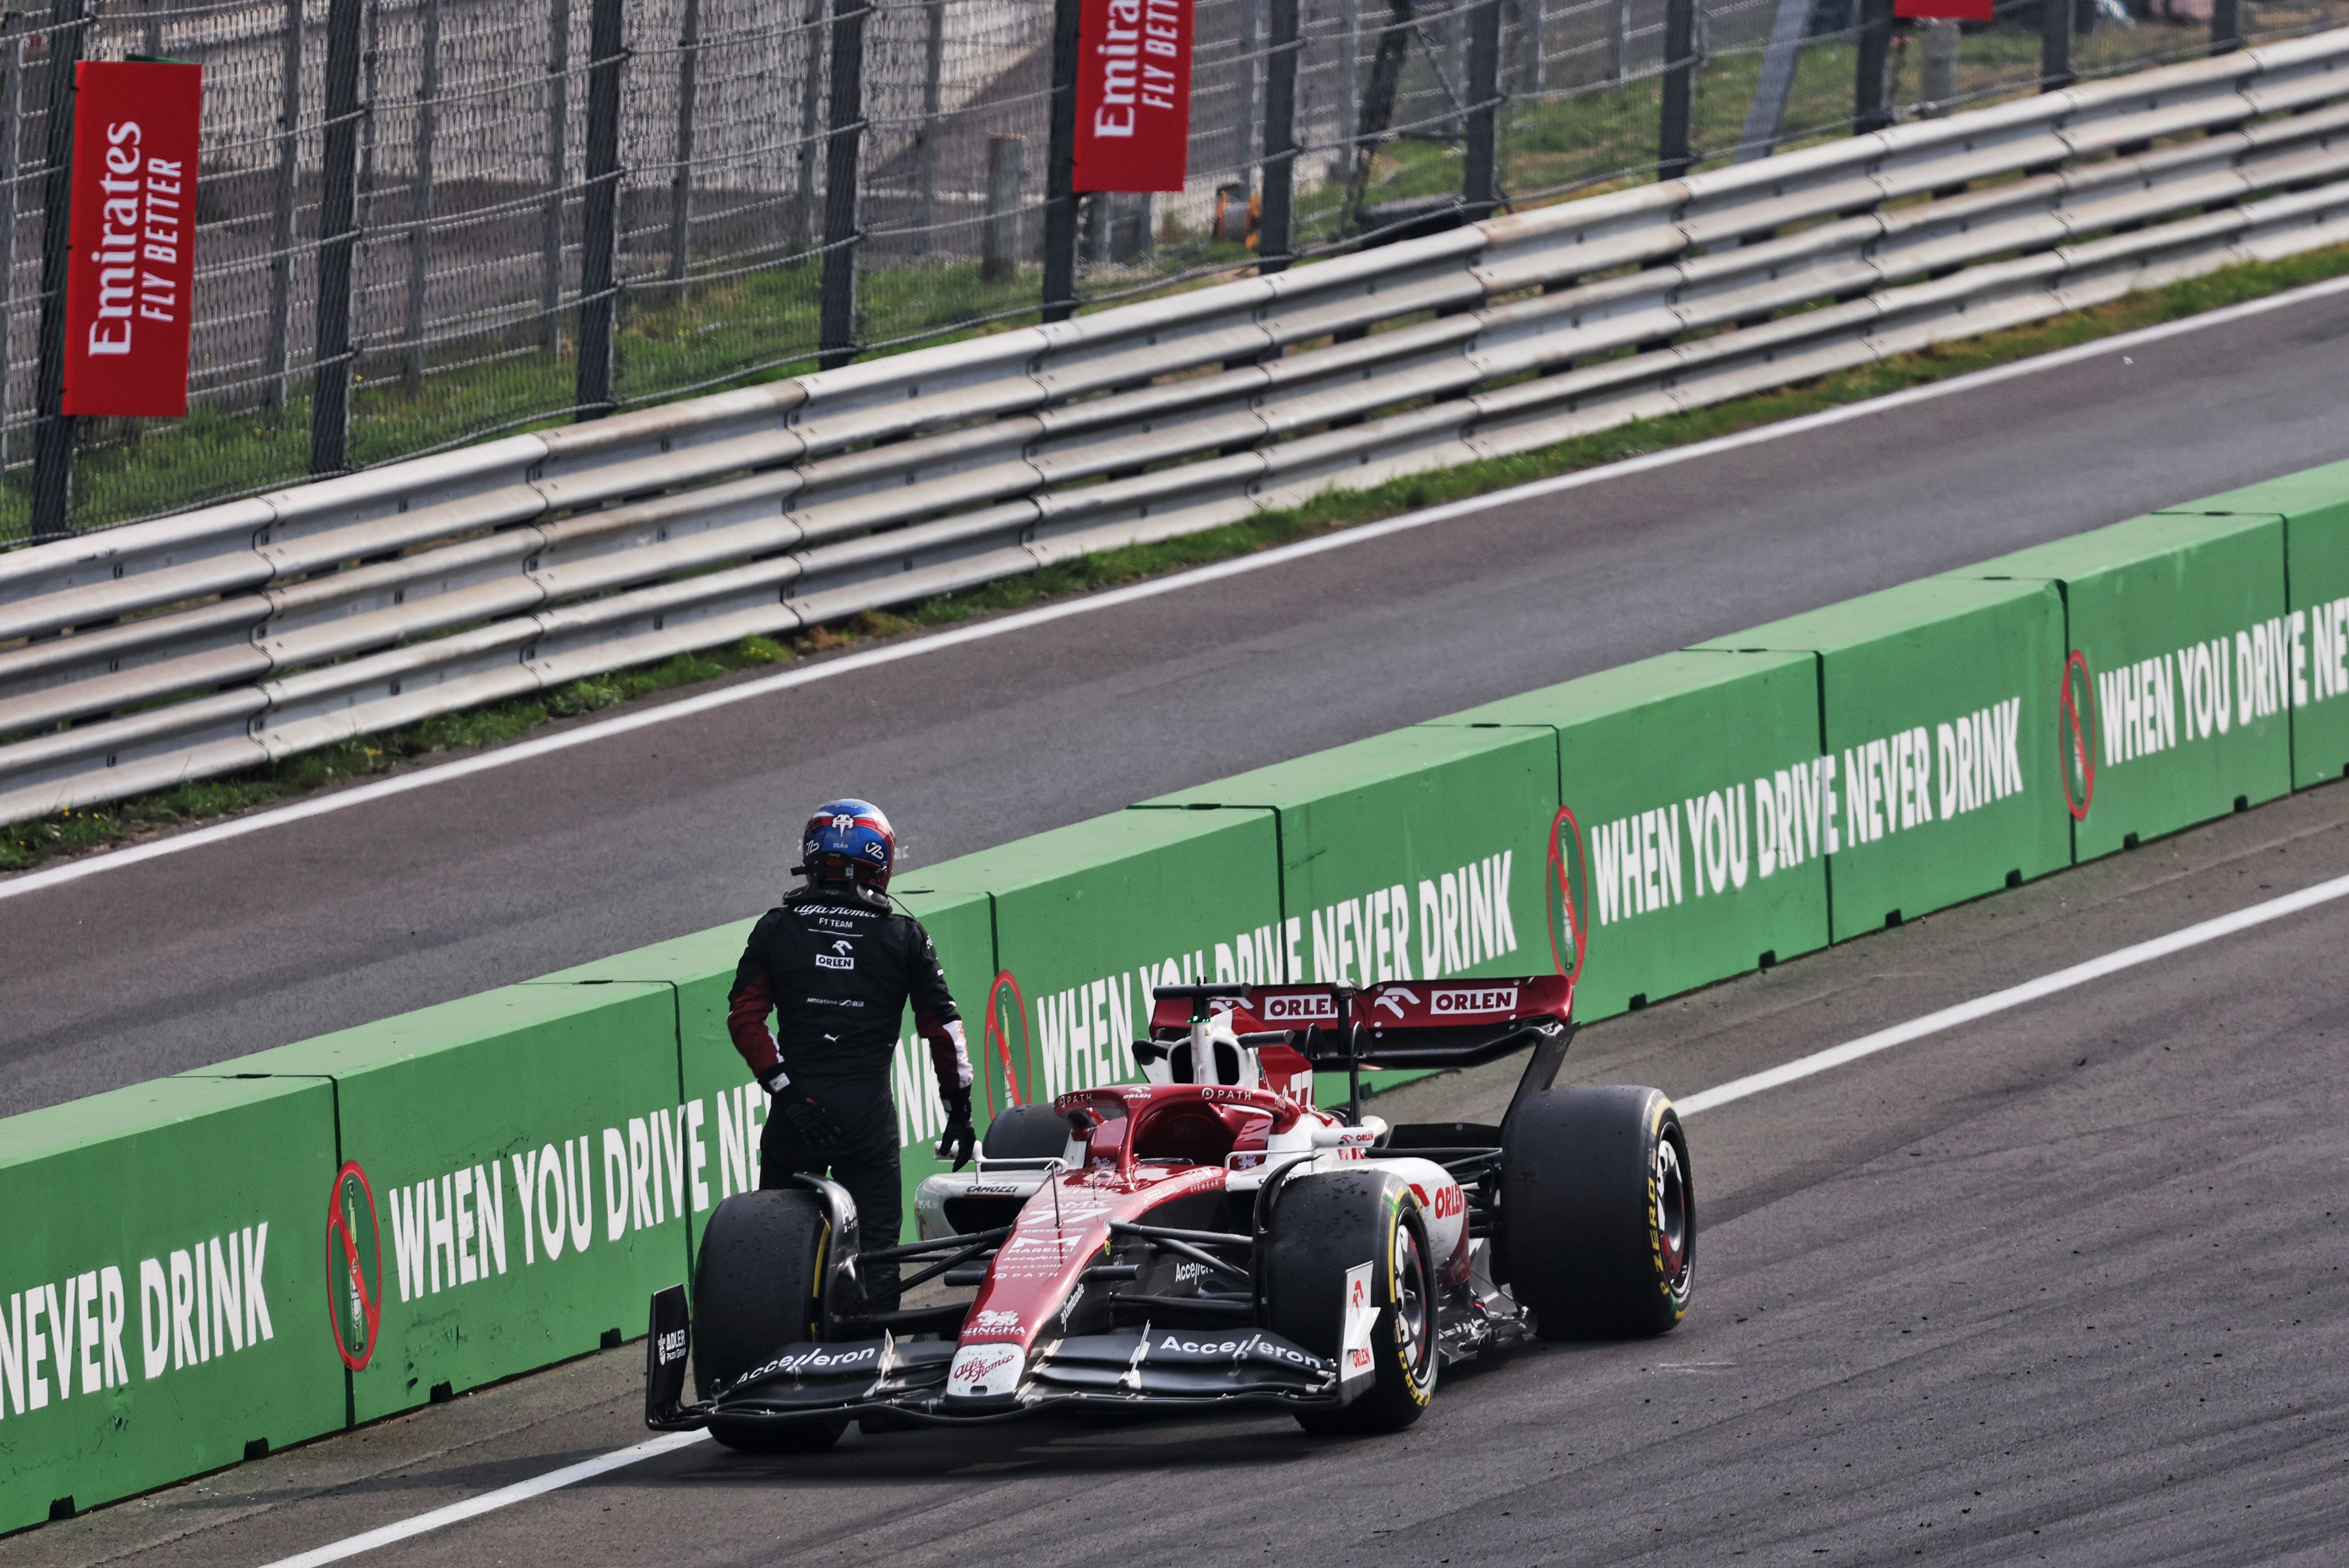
{"x":1209,"y":1239}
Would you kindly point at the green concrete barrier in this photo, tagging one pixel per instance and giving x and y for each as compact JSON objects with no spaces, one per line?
{"x":1940,"y":779}
{"x":2312,"y":634}
{"x":1418,"y":855}
{"x":2175,"y":697}
{"x":162,"y":1287}
{"x":1090,"y":917}
{"x":1689,"y":842}
{"x":531,"y":1162}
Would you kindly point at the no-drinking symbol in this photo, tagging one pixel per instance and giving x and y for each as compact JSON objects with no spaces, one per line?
{"x":354,"y":1267}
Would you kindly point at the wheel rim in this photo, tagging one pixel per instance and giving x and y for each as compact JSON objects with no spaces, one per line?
{"x":1672,"y":1214}
{"x":1411,"y":1299}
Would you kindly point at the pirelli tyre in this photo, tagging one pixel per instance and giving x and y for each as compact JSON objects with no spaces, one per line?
{"x":1599,"y":1212}
{"x":756,"y":1289}
{"x":1335,"y":1235}
{"x":1026,"y":1132}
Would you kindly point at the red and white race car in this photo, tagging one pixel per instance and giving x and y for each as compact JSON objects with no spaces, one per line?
{"x":1208,"y":1239}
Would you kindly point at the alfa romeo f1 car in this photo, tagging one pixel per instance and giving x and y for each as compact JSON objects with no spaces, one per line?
{"x":1208,"y":1239}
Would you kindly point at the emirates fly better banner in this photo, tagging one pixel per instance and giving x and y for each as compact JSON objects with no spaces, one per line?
{"x":134,"y":228}
{"x":1133,"y":94}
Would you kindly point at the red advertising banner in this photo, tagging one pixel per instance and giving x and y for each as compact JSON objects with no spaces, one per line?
{"x":1133,"y":94}
{"x":132,"y":270}
{"x":1943,"y":10}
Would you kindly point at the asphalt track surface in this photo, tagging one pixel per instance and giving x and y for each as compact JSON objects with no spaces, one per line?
{"x":2065,"y":1284}
{"x":336,"y":920}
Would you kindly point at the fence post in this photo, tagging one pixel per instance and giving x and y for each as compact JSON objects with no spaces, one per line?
{"x":1534,"y":46}
{"x":1618,"y":39}
{"x":1869,"y":112}
{"x":1059,"y":171}
{"x":330,"y":369}
{"x":1766,"y":114}
{"x":925,"y":151}
{"x":558,"y":115}
{"x":1273,"y":248}
{"x":599,"y":225}
{"x":2054,"y":44}
{"x":680,"y":191}
{"x":811,"y":121}
{"x":2226,"y":26}
{"x":420,"y":226}
{"x":12,"y":126}
{"x":1673,"y":158}
{"x":1251,"y":35}
{"x":1350,"y":91}
{"x":840,"y":235}
{"x":289,"y":175}
{"x":998,"y":236}
{"x":1480,"y":166}
{"x":1938,"y":79}
{"x":53,"y":437}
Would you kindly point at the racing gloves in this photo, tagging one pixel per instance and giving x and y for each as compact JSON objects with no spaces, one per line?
{"x":810,"y":1122}
{"x":961,"y":1140}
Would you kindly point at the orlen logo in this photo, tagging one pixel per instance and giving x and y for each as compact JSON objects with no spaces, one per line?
{"x":1484,"y":999}
{"x":1446,"y":1203}
{"x":1298,"y":1007}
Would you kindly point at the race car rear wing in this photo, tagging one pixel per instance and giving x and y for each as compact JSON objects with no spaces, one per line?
{"x":1395,"y":1024}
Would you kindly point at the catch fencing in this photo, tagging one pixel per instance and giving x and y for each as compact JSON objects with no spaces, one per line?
{"x":196,"y":646}
{"x":428,"y":222}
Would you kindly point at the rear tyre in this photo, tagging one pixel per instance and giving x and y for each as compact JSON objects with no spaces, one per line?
{"x":1026,"y":1132}
{"x":1325,"y":1224}
{"x":756,"y":1288}
{"x":1599,"y":1212}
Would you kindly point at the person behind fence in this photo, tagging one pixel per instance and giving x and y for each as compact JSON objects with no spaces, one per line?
{"x":836,"y":965}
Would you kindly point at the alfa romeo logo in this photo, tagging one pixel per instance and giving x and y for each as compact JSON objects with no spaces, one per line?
{"x":354,"y":1267}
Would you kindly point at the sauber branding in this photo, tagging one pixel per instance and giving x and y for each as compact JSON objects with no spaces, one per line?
{"x":1501,"y":999}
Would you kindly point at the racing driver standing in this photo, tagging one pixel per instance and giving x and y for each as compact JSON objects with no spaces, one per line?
{"x":836,"y":965}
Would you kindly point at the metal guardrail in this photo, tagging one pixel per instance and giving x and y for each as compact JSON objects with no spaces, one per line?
{"x":196,"y":645}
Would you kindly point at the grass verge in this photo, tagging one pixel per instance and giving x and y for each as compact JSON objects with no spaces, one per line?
{"x":25,"y":845}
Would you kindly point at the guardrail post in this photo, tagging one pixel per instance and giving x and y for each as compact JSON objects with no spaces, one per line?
{"x":599,"y":225}
{"x":926,"y":142}
{"x":558,"y":115}
{"x":680,"y":189}
{"x":53,"y":437}
{"x":1059,"y":171}
{"x":1273,"y":248}
{"x":838,"y":313}
{"x":1480,"y":173}
{"x":2054,"y":44}
{"x":419,"y":223}
{"x":280,"y":233}
{"x":1673,"y":158}
{"x":330,"y":369}
{"x":2226,"y":26}
{"x":1869,"y":110}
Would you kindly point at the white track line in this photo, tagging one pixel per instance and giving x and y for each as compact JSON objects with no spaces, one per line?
{"x":489,"y":1502}
{"x":750,"y":691}
{"x":2015,"y":996}
{"x":1736,"y":1089}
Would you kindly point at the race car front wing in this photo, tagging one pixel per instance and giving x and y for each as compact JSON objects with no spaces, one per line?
{"x":1154,"y":1368}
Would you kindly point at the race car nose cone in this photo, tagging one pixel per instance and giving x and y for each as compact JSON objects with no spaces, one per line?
{"x":986,"y":1371}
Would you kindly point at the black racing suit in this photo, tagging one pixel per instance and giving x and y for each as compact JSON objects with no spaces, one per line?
{"x":837,"y":973}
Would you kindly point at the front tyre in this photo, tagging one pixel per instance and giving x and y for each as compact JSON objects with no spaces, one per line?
{"x":1326,"y":1226}
{"x":756,"y":1288}
{"x":1599,"y":1212}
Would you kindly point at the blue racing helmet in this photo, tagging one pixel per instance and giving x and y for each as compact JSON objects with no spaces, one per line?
{"x":848,"y":844}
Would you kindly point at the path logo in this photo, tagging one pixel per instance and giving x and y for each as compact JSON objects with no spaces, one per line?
{"x":354,"y":1267}
{"x":2076,"y":714}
